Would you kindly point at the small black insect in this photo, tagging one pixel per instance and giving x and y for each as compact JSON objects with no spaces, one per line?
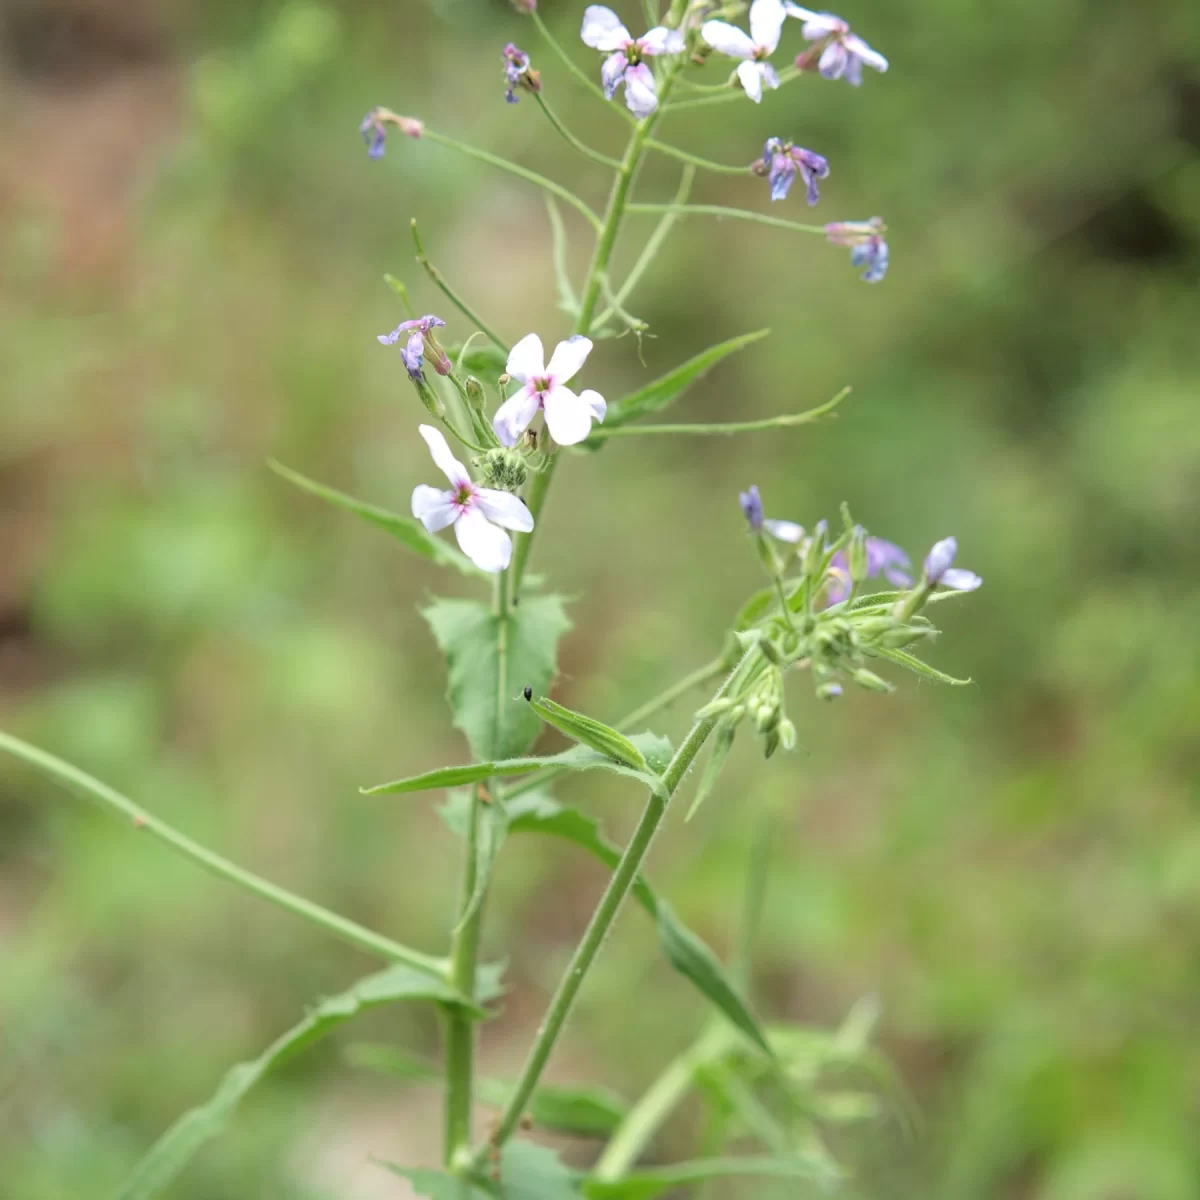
{"x":528,"y":693}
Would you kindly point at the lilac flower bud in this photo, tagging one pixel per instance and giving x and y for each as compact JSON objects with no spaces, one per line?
{"x":518,"y":74}
{"x":374,"y":129}
{"x":940,"y":569}
{"x":752,"y":508}
{"x":867,"y":245}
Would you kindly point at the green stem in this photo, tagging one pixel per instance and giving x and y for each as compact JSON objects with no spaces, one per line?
{"x":572,"y":66}
{"x":454,"y":298}
{"x":734,"y":92}
{"x":606,"y":913}
{"x":144,"y":822}
{"x":695,"y":160}
{"x":571,"y":139}
{"x":783,"y":421}
{"x":555,"y":189}
{"x":717,"y":210}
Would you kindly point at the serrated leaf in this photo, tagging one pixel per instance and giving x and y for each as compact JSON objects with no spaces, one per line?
{"x":171,"y":1153}
{"x":722,"y":744}
{"x":409,"y":532}
{"x":656,"y":396}
{"x":590,"y":732}
{"x":910,"y":662}
{"x":692,"y":958}
{"x":654,"y":749}
{"x":490,"y":659}
{"x":645,"y":1185}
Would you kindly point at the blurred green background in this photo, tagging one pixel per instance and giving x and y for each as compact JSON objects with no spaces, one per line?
{"x":191,"y":249}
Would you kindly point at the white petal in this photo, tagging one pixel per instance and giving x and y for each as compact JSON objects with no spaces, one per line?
{"x":527,"y":358}
{"x":602,"y":29}
{"x":960,"y":580}
{"x":595,"y":402}
{"x":785,"y":531}
{"x":832,"y":63}
{"x":489,"y":548}
{"x":661,"y":40}
{"x":640,"y":97}
{"x":570,"y":355}
{"x":728,"y":39}
{"x":612,"y":71}
{"x":568,"y":416}
{"x":771,"y":78}
{"x":750,"y":73}
{"x":859,"y":48}
{"x":804,"y":14}
{"x":442,"y":456}
{"x":433,"y":507}
{"x":766,"y":22}
{"x":503,"y":508}
{"x":514,"y":415}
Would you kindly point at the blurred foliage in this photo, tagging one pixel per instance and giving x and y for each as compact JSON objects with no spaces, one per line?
{"x":191,"y":249}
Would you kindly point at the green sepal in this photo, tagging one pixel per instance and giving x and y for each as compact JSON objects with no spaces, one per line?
{"x":910,"y":662}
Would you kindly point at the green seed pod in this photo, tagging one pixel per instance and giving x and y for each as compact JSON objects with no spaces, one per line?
{"x":870,"y":681}
{"x":504,"y":469}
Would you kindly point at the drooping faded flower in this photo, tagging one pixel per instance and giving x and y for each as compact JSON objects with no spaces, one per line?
{"x":374,"y":129}
{"x":780,"y":163}
{"x":517,"y":73}
{"x":568,"y":417}
{"x":420,"y":338}
{"x":842,"y":53}
{"x":939,"y":568}
{"x":603,"y":31}
{"x":752,"y":508}
{"x":868,"y":249}
{"x":883,"y":558}
{"x":479,"y":515}
{"x":766,"y":25}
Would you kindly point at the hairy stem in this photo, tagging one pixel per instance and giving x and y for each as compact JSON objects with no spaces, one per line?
{"x":144,"y":822}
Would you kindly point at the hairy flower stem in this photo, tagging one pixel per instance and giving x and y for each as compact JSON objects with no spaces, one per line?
{"x":606,"y":913}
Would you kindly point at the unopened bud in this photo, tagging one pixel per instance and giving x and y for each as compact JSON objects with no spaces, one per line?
{"x":899,"y":636}
{"x":525,"y":6}
{"x":475,"y":394}
{"x":771,"y":743}
{"x":815,"y":551}
{"x":737,"y":714}
{"x":787,"y":734}
{"x":504,"y":469}
{"x":769,"y":651}
{"x":870,"y":681}
{"x":856,"y":554}
{"x":715,"y":709}
{"x":829,"y":690}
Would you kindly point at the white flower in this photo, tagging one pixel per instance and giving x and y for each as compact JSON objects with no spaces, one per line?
{"x":766,"y":25}
{"x":474,"y":511}
{"x":844,"y":53}
{"x":602,"y":30}
{"x":568,"y":416}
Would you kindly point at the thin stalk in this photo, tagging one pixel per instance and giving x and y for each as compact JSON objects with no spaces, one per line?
{"x":144,"y":822}
{"x":701,"y":429}
{"x":572,"y":66}
{"x":717,"y":210}
{"x":606,"y":913}
{"x":695,"y":160}
{"x":572,"y":140}
{"x":555,"y":189}
{"x":450,"y":294}
{"x":724,"y":96}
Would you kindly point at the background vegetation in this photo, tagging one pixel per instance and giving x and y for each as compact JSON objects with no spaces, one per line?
{"x":191,"y":248}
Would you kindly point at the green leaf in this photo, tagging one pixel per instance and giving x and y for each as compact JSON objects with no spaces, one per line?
{"x":885,"y":601}
{"x":656,"y":750}
{"x":590,"y":732}
{"x":171,"y":1153}
{"x":527,"y":1172}
{"x":722,"y":744}
{"x":436,"y":1185}
{"x":656,"y":396}
{"x":911,"y":663}
{"x":757,"y":606}
{"x":485,"y":360}
{"x":490,"y":660}
{"x":406,"y":530}
{"x":695,"y":961}
{"x":645,"y":1185}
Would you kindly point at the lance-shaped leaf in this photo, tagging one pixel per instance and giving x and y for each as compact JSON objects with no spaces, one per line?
{"x":910,"y":662}
{"x":406,"y":530}
{"x":656,"y":396}
{"x":656,"y":751}
{"x":645,"y":1185}
{"x":590,"y":732}
{"x":490,"y":659}
{"x":171,"y":1153}
{"x":722,"y":744}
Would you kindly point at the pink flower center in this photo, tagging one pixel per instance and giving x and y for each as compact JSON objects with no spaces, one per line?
{"x":464,"y":493}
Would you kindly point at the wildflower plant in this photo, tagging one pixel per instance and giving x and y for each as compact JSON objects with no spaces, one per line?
{"x":506,"y":421}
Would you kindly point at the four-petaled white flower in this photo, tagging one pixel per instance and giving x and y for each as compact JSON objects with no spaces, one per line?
{"x":602,"y":30}
{"x":766,"y":24}
{"x":844,"y":52}
{"x":568,"y":416}
{"x":474,"y":511}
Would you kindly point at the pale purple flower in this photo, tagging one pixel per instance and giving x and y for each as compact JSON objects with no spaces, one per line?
{"x":420,"y":335}
{"x":883,"y":558}
{"x":603,"y":31}
{"x":843,"y":53}
{"x":868,"y":249}
{"x":477,"y":513}
{"x":780,"y":163}
{"x":374,"y":129}
{"x":568,"y":416}
{"x":517,"y":72}
{"x":939,"y":568}
{"x":754,"y":48}
{"x":752,"y":508}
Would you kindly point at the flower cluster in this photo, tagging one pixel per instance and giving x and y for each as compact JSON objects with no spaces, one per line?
{"x":838,"y":53}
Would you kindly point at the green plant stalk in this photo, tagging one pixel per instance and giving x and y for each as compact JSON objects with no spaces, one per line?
{"x":717,"y":210}
{"x":582,"y":147}
{"x":463,"y":307}
{"x":142,"y":821}
{"x":464,"y":951}
{"x":606,"y":913}
{"x":576,"y":70}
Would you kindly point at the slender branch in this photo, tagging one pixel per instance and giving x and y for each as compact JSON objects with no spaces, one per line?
{"x":576,"y":70}
{"x":555,"y":189}
{"x":571,"y":139}
{"x":567,"y":299}
{"x":695,"y":160}
{"x":724,"y":95}
{"x":140,"y":819}
{"x":606,"y":913}
{"x":717,"y":210}
{"x":454,"y":298}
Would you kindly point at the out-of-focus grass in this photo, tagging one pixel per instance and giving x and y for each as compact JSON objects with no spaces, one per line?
{"x":190,"y":262}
